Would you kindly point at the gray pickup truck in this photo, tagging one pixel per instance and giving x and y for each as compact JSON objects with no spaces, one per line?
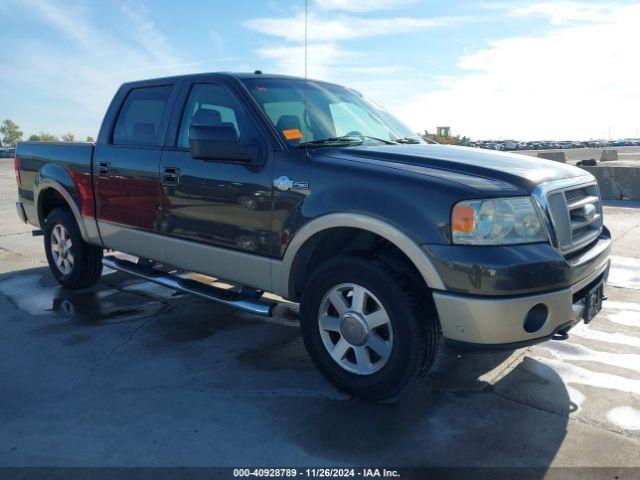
{"x":311,"y":191}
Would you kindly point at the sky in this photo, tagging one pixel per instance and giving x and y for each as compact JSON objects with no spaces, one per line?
{"x":488,"y":69}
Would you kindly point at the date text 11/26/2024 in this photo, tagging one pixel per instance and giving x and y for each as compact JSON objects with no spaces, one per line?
{"x":316,"y":472}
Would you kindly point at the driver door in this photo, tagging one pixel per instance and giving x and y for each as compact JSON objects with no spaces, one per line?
{"x":217,"y":213}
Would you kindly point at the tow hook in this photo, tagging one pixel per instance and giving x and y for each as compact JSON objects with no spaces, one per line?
{"x":560,"y":335}
{"x":562,"y":332}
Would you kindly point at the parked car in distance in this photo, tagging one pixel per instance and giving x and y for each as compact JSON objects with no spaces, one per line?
{"x":309,"y":190}
{"x":7,"y":152}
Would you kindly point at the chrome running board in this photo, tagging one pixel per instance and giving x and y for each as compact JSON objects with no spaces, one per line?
{"x":199,"y":289}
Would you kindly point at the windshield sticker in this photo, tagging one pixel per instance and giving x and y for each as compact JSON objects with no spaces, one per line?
{"x":292,"y":134}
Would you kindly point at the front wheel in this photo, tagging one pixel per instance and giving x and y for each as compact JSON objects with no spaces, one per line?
{"x":73,"y":262}
{"x":368,"y":326}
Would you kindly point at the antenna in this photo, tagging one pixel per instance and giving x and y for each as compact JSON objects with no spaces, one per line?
{"x":306,"y":112}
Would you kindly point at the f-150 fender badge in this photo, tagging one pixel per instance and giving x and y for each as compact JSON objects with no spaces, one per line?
{"x":284,"y":183}
{"x":301,"y":185}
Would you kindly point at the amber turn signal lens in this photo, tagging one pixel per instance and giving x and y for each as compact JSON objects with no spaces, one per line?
{"x":462,"y":219}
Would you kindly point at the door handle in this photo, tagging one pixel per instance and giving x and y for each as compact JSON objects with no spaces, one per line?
{"x":171,"y":176}
{"x":104,"y":168}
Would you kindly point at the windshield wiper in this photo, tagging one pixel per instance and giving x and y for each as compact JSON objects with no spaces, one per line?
{"x":331,"y":141}
{"x":386,"y":142}
{"x":348,"y":139}
{"x":406,"y":140}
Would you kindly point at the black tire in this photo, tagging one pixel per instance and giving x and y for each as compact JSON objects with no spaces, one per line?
{"x":87,"y":259}
{"x":416,"y":330}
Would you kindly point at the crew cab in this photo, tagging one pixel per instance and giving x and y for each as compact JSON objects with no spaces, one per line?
{"x":311,"y":191}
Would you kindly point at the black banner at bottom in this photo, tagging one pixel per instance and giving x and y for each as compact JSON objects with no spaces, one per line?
{"x":404,"y":473}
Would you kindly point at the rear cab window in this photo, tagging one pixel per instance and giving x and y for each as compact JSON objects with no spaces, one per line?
{"x":140,"y":118}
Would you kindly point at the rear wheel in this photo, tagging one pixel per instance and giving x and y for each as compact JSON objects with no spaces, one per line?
{"x":73,"y":262}
{"x":369,"y":326}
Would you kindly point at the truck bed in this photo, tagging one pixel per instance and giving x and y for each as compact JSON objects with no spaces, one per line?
{"x":68,"y":163}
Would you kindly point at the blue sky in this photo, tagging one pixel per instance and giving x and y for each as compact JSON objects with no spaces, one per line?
{"x":517,"y":69}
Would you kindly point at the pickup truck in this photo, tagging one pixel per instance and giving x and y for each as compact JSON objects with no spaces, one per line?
{"x":312,"y":192}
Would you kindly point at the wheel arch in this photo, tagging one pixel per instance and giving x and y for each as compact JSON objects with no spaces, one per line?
{"x":305,"y":240}
{"x":49,"y":194}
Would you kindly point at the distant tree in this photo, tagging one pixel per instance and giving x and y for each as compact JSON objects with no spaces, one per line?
{"x":90,"y":139}
{"x":47,"y":137}
{"x":11,"y":133}
{"x":68,"y":137}
{"x":43,"y":137}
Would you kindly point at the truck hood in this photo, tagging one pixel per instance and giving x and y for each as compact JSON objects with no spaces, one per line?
{"x":485,"y":170}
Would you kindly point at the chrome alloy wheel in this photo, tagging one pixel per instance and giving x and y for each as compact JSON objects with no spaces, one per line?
{"x":355,"y":329}
{"x":61,"y":249}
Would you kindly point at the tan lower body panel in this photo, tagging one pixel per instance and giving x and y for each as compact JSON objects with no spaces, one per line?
{"x":499,"y":321}
{"x":230,"y":265}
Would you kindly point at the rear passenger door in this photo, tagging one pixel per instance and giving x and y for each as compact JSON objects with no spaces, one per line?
{"x":217,"y":213}
{"x":126,"y":171}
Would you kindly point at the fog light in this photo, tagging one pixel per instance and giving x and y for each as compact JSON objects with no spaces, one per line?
{"x":536,"y":318}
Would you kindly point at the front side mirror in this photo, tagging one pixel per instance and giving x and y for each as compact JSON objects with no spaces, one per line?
{"x":220,"y":142}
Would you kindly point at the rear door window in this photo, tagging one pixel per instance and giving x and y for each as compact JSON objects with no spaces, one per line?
{"x":140,"y":117}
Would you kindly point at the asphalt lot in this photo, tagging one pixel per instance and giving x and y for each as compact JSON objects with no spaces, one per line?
{"x":128,"y":373}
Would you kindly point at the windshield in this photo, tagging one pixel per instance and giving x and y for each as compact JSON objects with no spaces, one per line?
{"x":334,"y":115}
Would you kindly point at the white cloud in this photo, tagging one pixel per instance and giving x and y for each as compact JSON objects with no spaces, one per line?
{"x":331,"y":61}
{"x":574,"y":82}
{"x":67,"y":19}
{"x":145,"y":33}
{"x":343,"y":27}
{"x":322,"y":58}
{"x":176,"y":66}
{"x":79,"y":77}
{"x":327,"y":56}
{"x":565,"y":13}
{"x":360,"y":6}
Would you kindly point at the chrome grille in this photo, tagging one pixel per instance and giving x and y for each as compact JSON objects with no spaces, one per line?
{"x":575,"y":195}
{"x":575,"y":213}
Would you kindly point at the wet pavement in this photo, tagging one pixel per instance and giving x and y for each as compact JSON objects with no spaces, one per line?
{"x":130,"y":373}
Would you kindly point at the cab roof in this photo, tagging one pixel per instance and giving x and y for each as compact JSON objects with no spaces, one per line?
{"x":236,"y":75}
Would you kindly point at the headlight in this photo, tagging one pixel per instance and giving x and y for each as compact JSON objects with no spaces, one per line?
{"x":497,"y":221}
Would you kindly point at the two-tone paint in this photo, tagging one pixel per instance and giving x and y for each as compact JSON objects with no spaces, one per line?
{"x":228,"y":220}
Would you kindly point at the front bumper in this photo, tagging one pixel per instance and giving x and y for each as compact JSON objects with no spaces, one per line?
{"x":491,"y":322}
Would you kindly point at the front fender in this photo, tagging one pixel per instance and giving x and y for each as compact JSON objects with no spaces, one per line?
{"x":401,"y":206}
{"x":282,"y":270}
{"x":418,"y":205}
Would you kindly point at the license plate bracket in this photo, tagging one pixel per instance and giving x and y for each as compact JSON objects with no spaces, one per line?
{"x":593,"y":302}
